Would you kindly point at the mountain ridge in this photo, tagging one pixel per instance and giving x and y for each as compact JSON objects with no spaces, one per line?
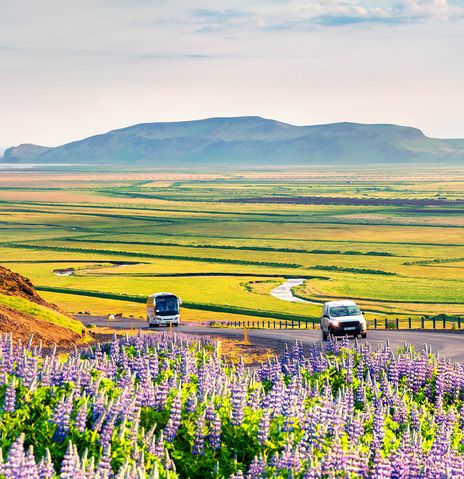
{"x":247,"y":140}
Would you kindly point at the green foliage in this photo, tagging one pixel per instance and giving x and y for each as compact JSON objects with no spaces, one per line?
{"x":353,"y":270}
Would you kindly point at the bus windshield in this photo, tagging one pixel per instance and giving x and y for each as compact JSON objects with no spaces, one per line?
{"x":167,"y":305}
{"x":340,"y":311}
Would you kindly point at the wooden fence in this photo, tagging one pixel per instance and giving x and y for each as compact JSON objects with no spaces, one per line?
{"x":440,"y":323}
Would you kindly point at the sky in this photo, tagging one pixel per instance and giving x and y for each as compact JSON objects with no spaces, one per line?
{"x":72,"y":69}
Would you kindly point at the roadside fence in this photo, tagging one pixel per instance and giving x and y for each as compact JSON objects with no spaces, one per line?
{"x":438,"y":322}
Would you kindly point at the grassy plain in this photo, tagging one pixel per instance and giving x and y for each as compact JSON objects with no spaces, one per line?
{"x":201,"y":237}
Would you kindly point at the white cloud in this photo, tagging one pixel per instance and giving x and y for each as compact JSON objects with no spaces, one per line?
{"x":301,"y":14}
{"x":68,"y":70}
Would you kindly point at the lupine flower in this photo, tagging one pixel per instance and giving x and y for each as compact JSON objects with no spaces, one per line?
{"x":323,"y":412}
{"x":46,"y":469}
{"x":199,"y":438}
{"x":171,"y":428}
{"x":10,"y":397}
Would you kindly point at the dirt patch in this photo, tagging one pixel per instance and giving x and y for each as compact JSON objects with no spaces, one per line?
{"x":250,"y":354}
{"x":23,"y":326}
{"x":14,"y":284}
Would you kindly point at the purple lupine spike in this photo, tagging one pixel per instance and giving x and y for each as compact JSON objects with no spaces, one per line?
{"x":238,"y":400}
{"x":191,"y":403}
{"x":16,"y":456}
{"x":46,"y":468}
{"x":29,"y":468}
{"x":289,"y":459}
{"x":107,"y":432}
{"x":199,"y":436}
{"x":9,"y":403}
{"x":171,"y":428}
{"x":62,"y":417}
{"x":214,"y":434}
{"x":381,"y":467}
{"x":263,"y":427}
{"x":80,"y":420}
{"x":237,"y":475}
{"x":257,"y":468}
{"x":70,"y":465}
{"x":103,"y":469}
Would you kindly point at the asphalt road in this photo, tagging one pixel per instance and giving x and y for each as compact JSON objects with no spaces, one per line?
{"x":449,"y":344}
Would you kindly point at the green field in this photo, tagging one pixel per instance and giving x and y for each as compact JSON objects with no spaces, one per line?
{"x":223,"y":242}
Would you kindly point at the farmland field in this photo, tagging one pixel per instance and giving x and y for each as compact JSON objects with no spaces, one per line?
{"x":395,"y":242}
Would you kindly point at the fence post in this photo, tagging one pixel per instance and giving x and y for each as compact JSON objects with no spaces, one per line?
{"x":375,"y":323}
{"x":386,"y":323}
{"x":314,"y":324}
{"x":459,"y":322}
{"x":306,"y":324}
{"x":293,"y":324}
{"x":422,"y":322}
{"x":444,"y":322}
{"x":280,"y":324}
{"x":434,"y":322}
{"x":397,"y":323}
{"x":409,"y":323}
{"x":268,"y":324}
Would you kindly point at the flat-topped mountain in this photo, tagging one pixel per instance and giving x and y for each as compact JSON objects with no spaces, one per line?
{"x":247,"y":141}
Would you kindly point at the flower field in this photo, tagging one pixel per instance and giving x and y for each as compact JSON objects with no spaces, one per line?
{"x":166,"y":406}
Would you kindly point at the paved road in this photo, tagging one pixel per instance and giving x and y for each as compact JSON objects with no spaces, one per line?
{"x":450,"y":345}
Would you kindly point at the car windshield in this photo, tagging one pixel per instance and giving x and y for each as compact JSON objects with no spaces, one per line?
{"x":340,"y":311}
{"x":167,"y":304}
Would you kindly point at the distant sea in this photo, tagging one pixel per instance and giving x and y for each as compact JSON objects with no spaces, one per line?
{"x":31,"y":166}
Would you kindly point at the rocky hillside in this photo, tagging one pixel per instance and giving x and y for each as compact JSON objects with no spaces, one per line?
{"x":247,"y":142}
{"x":24,"y":313}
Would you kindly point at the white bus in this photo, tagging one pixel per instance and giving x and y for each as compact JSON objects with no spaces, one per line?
{"x":163,"y":309}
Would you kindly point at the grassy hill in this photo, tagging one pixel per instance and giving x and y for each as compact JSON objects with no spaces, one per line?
{"x":247,"y":142}
{"x":24,"y":313}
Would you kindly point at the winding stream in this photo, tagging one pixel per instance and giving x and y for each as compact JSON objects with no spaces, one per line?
{"x":284,"y":291}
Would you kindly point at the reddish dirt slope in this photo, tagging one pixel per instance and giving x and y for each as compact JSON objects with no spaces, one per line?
{"x":22,"y":325}
{"x":13,"y":284}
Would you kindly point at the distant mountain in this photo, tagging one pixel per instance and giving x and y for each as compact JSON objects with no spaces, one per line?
{"x":247,"y":141}
{"x":23,"y":153}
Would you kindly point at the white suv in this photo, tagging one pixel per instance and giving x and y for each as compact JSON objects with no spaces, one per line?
{"x":341,"y":318}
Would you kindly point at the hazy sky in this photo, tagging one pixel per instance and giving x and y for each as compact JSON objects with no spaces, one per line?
{"x":69,"y":69}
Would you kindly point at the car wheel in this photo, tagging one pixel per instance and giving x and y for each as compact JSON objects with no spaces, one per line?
{"x":364,"y":335}
{"x":324,"y":336}
{"x":176,"y":324}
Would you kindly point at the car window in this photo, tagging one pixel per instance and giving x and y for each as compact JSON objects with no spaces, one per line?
{"x":340,"y":311}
